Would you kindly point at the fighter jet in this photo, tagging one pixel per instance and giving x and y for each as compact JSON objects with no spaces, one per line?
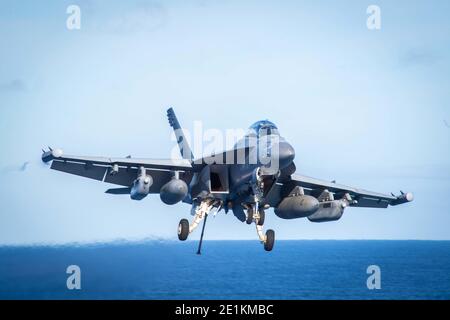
{"x":255,"y":175}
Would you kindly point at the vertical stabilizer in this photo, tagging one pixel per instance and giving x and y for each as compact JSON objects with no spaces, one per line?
{"x":183,"y":144}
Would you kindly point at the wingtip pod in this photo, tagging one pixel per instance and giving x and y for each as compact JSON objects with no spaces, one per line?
{"x":403,"y":198}
{"x":51,"y":154}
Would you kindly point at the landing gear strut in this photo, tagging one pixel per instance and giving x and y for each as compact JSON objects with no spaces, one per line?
{"x":201,"y":213}
{"x":184,"y":228}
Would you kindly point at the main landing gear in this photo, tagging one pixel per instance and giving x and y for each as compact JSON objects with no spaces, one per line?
{"x":201,"y":213}
{"x":257,"y":214}
{"x":184,"y":228}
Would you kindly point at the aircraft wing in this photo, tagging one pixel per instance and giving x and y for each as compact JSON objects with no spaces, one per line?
{"x":363,"y":198}
{"x":119,"y":171}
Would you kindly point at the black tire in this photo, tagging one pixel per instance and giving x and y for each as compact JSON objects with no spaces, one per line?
{"x":262,"y":217}
{"x":183,"y":229}
{"x":249,"y":218}
{"x":270,"y":240}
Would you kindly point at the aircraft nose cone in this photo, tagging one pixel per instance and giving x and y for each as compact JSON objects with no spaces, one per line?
{"x":287,"y":154}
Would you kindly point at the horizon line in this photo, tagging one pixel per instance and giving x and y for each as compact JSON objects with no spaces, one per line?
{"x":118,"y":242}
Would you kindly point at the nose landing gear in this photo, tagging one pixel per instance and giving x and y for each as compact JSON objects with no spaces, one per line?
{"x":258,"y":216}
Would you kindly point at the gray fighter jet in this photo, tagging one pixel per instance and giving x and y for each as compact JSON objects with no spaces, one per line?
{"x":257,"y":174}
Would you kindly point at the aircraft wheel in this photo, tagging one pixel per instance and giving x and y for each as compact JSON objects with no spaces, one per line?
{"x":262,"y":217}
{"x":270,"y":240}
{"x":249,"y":216}
{"x":183,"y":229}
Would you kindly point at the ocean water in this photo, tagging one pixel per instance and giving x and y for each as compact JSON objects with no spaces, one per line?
{"x":229,"y":270}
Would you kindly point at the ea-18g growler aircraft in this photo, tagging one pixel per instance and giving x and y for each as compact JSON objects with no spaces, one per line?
{"x":257,"y":174}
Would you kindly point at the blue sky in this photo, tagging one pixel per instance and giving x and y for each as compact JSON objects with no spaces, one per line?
{"x":366,"y":108}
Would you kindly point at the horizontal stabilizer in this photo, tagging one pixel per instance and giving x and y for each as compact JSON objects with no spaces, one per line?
{"x":118,"y":191}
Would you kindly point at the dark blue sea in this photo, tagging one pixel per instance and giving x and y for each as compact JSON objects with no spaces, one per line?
{"x":229,"y":270}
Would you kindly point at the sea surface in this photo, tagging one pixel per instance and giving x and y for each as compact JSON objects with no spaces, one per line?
{"x":306,"y":269}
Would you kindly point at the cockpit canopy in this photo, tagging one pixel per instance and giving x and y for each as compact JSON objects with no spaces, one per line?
{"x":263,"y":127}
